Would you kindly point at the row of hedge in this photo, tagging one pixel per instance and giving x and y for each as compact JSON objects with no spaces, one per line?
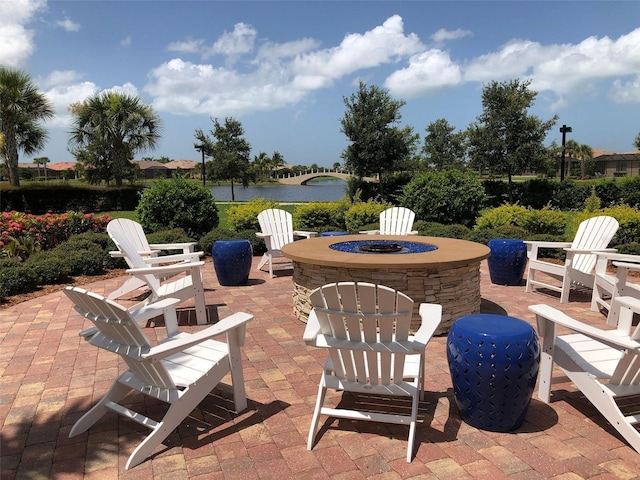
{"x":397,"y":189}
{"x":40,"y":199}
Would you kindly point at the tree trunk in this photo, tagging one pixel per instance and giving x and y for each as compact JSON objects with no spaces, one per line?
{"x":233,"y":196}
{"x":11,"y":160}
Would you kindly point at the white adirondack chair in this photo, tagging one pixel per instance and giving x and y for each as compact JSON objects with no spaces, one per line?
{"x":277,"y":231}
{"x":603,"y":364}
{"x":607,"y":286}
{"x":185,"y":277}
{"x":395,"y":221}
{"x":365,"y":327}
{"x":180,"y":371}
{"x":593,"y":235}
{"x":135,"y":233}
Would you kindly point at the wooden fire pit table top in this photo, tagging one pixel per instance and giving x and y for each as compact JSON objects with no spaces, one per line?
{"x":450,"y":252}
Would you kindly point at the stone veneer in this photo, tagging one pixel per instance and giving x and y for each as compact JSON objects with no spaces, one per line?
{"x":456,"y":288}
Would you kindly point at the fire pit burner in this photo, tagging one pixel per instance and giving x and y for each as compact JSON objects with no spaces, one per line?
{"x":397,"y":247}
{"x":380,"y":248}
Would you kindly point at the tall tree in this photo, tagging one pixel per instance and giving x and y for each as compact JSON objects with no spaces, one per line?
{"x":42,"y":161}
{"x":108,"y":129}
{"x":230,"y":151}
{"x":506,"y":139}
{"x":442,"y":147}
{"x":637,"y":141}
{"x":277,"y":161}
{"x":378,"y":145}
{"x":22,"y":109}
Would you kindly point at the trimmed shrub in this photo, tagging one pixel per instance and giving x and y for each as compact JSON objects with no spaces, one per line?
{"x":629,"y":248}
{"x":447,"y":197}
{"x":50,"y":269}
{"x":483,"y":235}
{"x":314,"y":216}
{"x":504,"y":215}
{"x":628,"y":218}
{"x":245,"y":216}
{"x":17,"y":280}
{"x":208,"y":239}
{"x":175,"y":235}
{"x":544,"y":221}
{"x":363,"y":213}
{"x":435,"y":229}
{"x":176,"y":203}
{"x":630,"y":191}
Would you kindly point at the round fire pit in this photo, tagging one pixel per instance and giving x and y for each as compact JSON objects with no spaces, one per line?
{"x":428,"y":269}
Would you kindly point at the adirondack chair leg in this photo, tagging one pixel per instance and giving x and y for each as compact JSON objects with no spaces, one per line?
{"x":566,"y":288}
{"x":237,"y":375}
{"x":322,"y":390}
{"x":201,"y":307}
{"x":412,"y":428}
{"x":116,"y":393}
{"x":545,"y":373}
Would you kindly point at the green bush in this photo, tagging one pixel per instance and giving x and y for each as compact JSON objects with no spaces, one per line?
{"x":628,"y":219}
{"x":314,"y":216}
{"x":208,"y":239}
{"x":176,"y":203}
{"x":448,"y":196}
{"x":245,"y":216}
{"x":544,"y":221}
{"x":629,"y":248}
{"x":630,"y":191}
{"x":82,"y":257}
{"x":503,"y":215}
{"x":363,"y":213}
{"x":483,"y":235}
{"x":175,"y":235}
{"x":17,"y":280}
{"x":435,"y":229}
{"x":50,"y":269}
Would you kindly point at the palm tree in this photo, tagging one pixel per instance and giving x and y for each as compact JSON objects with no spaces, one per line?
{"x":109,"y":129}
{"x":22,"y":108}
{"x":585,"y":154}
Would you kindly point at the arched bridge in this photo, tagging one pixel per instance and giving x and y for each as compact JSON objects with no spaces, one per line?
{"x":303,"y":178}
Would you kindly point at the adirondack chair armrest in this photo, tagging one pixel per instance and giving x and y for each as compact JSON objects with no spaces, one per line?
{"x":181,"y":342}
{"x":142,"y":314}
{"x":370,"y":232}
{"x":627,"y":265}
{"x":186,"y":247}
{"x":589,"y":250}
{"x":178,"y":258}
{"x":263,"y":235}
{"x":534,"y":246}
{"x":612,"y":338}
{"x":302,"y":233}
{"x":116,"y":254}
{"x":413,"y":232}
{"x":164,"y":269}
{"x":312,"y":329}
{"x":431,"y":315}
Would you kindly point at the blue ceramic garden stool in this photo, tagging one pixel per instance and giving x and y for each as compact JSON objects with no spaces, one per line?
{"x":333,"y":234}
{"x":232,"y":261}
{"x":507,"y":261}
{"x":494,"y":362}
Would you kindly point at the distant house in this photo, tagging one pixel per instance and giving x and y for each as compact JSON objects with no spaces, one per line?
{"x":186,"y":167}
{"x":59,"y":170}
{"x":155,"y":169}
{"x":611,"y":164}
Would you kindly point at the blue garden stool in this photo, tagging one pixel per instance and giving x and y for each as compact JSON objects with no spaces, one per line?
{"x":232,"y":261}
{"x":494,"y":362}
{"x":333,"y":234}
{"x":507,"y":261}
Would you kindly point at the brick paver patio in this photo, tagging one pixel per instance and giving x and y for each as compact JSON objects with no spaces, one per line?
{"x":49,"y":377}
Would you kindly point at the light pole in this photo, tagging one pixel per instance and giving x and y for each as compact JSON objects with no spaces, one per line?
{"x":201,"y":147}
{"x":564,"y":130}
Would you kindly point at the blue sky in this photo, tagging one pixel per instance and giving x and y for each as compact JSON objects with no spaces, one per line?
{"x":283,"y":68}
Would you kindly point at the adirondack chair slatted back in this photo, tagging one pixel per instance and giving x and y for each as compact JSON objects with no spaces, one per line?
{"x":356,"y":320}
{"x":627,"y":371}
{"x":119,"y":333}
{"x":278,"y":223}
{"x":131,"y":230}
{"x":134,"y":259}
{"x":593,"y":234}
{"x":396,"y":221}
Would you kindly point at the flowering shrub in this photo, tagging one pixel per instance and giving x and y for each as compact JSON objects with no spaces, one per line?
{"x":47,"y":231}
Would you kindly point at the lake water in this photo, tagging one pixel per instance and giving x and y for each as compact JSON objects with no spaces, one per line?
{"x":327,"y":191}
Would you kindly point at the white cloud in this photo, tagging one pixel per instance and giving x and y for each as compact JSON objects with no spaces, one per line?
{"x":63,"y":88}
{"x":565,"y":69}
{"x":444,"y":35}
{"x":68,"y":25}
{"x":626,"y":92}
{"x":126,"y":42}
{"x":186,"y":46}
{"x":16,"y":40}
{"x":427,"y":72}
{"x":281,"y":74}
{"x":381,"y":45}
{"x":233,"y":45}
